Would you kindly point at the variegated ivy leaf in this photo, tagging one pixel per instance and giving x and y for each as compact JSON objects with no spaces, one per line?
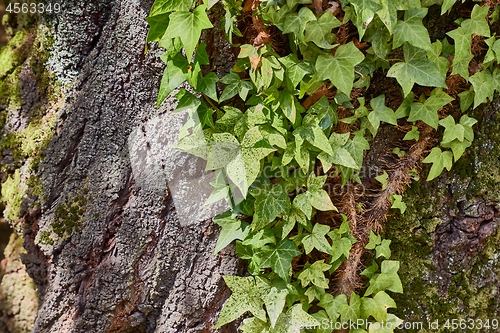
{"x":269,"y":205}
{"x":247,"y":293}
{"x":314,"y":274}
{"x":231,"y":229}
{"x":294,"y":320}
{"x":275,"y":301}
{"x":317,"y":240}
{"x":280,"y":258}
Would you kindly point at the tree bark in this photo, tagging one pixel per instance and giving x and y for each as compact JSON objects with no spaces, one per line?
{"x":123,"y":261}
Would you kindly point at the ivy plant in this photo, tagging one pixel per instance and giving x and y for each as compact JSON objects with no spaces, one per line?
{"x":312,"y":84}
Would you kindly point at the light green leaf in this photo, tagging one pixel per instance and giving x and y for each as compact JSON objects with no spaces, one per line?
{"x":434,"y":55}
{"x":275,"y":302}
{"x":340,"y":156}
{"x":452,"y":131}
{"x":188,"y":26}
{"x":318,"y":31}
{"x":317,"y":240}
{"x":428,"y":111}
{"x":383,"y":250}
{"x":332,"y":304}
{"x":414,"y":134}
{"x":167,"y":6}
{"x":339,"y":69}
{"x":377,"y":306}
{"x":295,"y":69}
{"x":313,"y":293}
{"x":352,"y":311}
{"x":466,"y":99}
{"x":296,"y":22}
{"x":315,"y":135}
{"x":383,"y":179}
{"x":365,"y":11}
{"x":412,"y":30}
{"x":314,"y":274}
{"x":439,"y":160}
{"x":374,"y":241}
{"x":280,"y":258}
{"x":254,"y":325}
{"x":477,"y":24}
{"x":247,"y":293}
{"x":482,"y":82}
{"x":446,"y":6}
{"x":320,"y":200}
{"x":416,"y":69}
{"x":231,"y":229}
{"x":397,"y":203}
{"x":380,"y":113}
{"x":463,"y":55}
{"x":294,"y":319}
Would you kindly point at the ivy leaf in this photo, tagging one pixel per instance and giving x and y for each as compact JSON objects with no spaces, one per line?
{"x":439,"y":160}
{"x":377,"y":306}
{"x":383,"y":249}
{"x":434,"y":55}
{"x":339,"y":69}
{"x":167,"y":6}
{"x":365,"y":11}
{"x":314,"y":275}
{"x":412,"y":30}
{"x":340,"y":156}
{"x":383,"y":179}
{"x":463,"y":55}
{"x":428,"y":111}
{"x":174,"y":75}
{"x":457,"y":147}
{"x":315,"y":135}
{"x":388,"y":12}
{"x":246,"y":296}
{"x":302,"y":202}
{"x":318,"y":31}
{"x":275,"y":302}
{"x":352,"y":311}
{"x":188,"y":26}
{"x":296,"y":22}
{"x":482,"y":82}
{"x":356,"y":147}
{"x":235,"y":85}
{"x":231,"y":229}
{"x":208,"y":85}
{"x":477,"y":24}
{"x":446,"y":6}
{"x":318,"y":197}
{"x":414,"y":134}
{"x":452,"y":130}
{"x":280,"y":258}
{"x":254,"y":325}
{"x":397,"y":203}
{"x":157,"y":27}
{"x":270,"y":205}
{"x":380,"y":113}
{"x":314,"y":292}
{"x":294,"y":319}
{"x":317,"y":239}
{"x":332,"y":304}
{"x":392,"y":321}
{"x":374,"y":241}
{"x":295,"y":69}
{"x":416,"y":69}
{"x":466,"y":99}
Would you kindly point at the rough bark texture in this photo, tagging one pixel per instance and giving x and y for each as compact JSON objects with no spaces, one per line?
{"x":103,"y":245}
{"x":121,"y":262}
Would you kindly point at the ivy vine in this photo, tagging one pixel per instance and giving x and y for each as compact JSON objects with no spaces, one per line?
{"x":313,"y":84}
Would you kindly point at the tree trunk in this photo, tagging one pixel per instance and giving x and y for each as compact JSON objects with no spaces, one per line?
{"x":103,"y":242}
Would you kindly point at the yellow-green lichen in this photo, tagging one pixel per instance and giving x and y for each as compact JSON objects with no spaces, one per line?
{"x":68,"y":216}
{"x":12,"y":195}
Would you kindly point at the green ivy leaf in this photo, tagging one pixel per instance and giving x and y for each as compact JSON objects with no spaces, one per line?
{"x":231,"y":229}
{"x":365,"y":11}
{"x":377,"y":306}
{"x":397,"y":203}
{"x":392,"y":321}
{"x":352,"y":311}
{"x":383,"y":179}
{"x":383,"y":250}
{"x":374,"y":241}
{"x":452,"y":130}
{"x":270,"y":205}
{"x":315,"y":135}
{"x":254,"y":325}
{"x":416,"y":69}
{"x":317,"y":240}
{"x":167,"y":6}
{"x":296,"y":22}
{"x":482,"y":82}
{"x":463,"y":55}
{"x":428,"y":111}
{"x":477,"y":24}
{"x":295,"y":69}
{"x":380,"y":113}
{"x":314,"y":274}
{"x":414,"y":134}
{"x":446,"y":6}
{"x":412,"y":30}
{"x":332,"y":304}
{"x":174,"y":75}
{"x":188,"y":26}
{"x":247,"y":293}
{"x":157,"y":27}
{"x":208,"y":85}
{"x":275,"y":301}
{"x":280,"y":258}
{"x":439,"y":160}
{"x":339,"y":69}
{"x":466,"y":99}
{"x":318,"y":31}
{"x":235,"y":85}
{"x":294,"y":319}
